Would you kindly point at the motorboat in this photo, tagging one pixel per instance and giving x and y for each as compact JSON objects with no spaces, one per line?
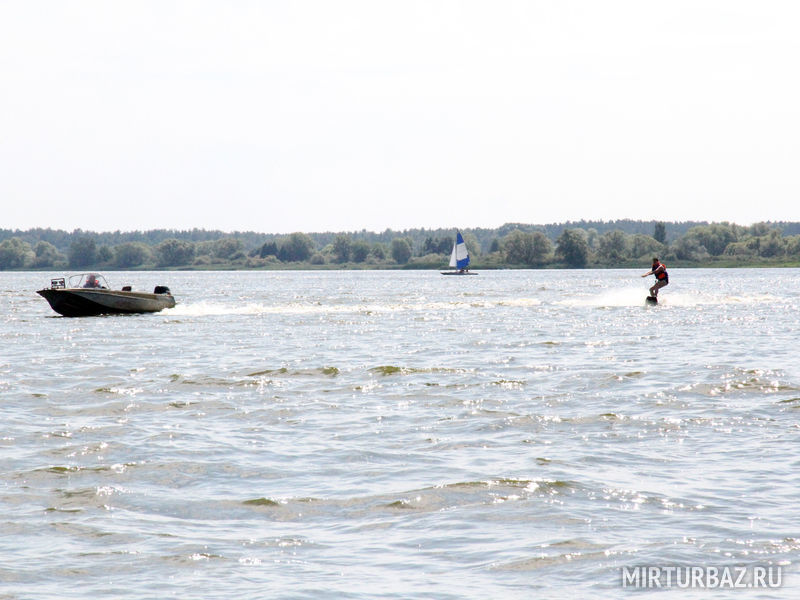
{"x":89,"y":294}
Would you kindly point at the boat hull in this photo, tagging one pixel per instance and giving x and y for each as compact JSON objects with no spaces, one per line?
{"x":455,"y":273}
{"x":89,"y":302}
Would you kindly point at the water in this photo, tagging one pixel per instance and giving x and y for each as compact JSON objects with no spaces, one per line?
{"x":364,"y":435}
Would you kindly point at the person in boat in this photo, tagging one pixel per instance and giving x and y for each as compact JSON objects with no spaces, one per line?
{"x":92,"y":282}
{"x":662,"y":277}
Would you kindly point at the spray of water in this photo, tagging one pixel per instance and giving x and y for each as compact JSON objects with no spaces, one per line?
{"x":635,"y":296}
{"x":203,"y":309}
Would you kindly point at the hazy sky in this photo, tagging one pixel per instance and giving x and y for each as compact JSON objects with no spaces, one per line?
{"x":315,"y":115}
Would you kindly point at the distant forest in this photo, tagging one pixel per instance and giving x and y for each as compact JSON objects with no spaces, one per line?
{"x":574,"y":244}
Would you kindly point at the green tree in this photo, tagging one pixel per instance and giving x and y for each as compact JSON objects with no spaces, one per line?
{"x":204,"y":248}
{"x":47,"y":255}
{"x":104,"y":254}
{"x":359,"y":251}
{"x":713,"y":238}
{"x":378,"y":252}
{"x":793,"y":245}
{"x":342,"y":246}
{"x":660,"y":232}
{"x":473,"y":245}
{"x":644,"y":247}
{"x":268,"y":249}
{"x":228,"y":248}
{"x":401,"y":250}
{"x":688,"y":247}
{"x":745,"y":248}
{"x":772,"y":245}
{"x":82,"y":252}
{"x":531,"y":249}
{"x":592,"y":238}
{"x":296,"y":248}
{"x":443,"y":245}
{"x":15,"y":253}
{"x":131,"y":254}
{"x":517,"y":247}
{"x":572,"y":248}
{"x":173,"y":252}
{"x":613,"y":246}
{"x":759,"y":229}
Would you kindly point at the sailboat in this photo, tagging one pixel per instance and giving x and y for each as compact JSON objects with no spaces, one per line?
{"x":459,"y":258}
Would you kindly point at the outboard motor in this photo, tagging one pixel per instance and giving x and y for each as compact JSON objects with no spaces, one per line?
{"x":161,"y":289}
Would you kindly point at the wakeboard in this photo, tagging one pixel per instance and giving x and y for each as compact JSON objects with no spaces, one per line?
{"x":651,"y":300}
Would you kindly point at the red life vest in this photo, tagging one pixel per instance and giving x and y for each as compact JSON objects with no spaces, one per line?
{"x":661,"y":275}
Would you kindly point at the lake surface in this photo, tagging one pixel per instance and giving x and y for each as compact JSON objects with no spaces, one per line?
{"x":518,"y":434}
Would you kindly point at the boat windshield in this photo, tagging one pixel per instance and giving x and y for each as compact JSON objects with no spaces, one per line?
{"x":88,"y":280}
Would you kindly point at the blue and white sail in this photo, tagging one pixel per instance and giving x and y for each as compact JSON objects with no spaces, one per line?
{"x":459,"y":258}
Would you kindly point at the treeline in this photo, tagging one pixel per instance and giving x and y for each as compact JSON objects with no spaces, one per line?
{"x":574,"y":244}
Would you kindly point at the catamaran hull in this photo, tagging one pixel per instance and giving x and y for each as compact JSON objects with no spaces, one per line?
{"x":455,"y":273}
{"x":87,"y":303}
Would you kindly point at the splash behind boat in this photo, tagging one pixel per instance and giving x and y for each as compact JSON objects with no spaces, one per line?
{"x":89,"y":294}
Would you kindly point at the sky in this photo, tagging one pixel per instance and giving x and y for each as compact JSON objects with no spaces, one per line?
{"x":321,"y":115}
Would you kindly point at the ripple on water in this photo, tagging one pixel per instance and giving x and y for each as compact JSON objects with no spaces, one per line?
{"x":318,"y":435}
